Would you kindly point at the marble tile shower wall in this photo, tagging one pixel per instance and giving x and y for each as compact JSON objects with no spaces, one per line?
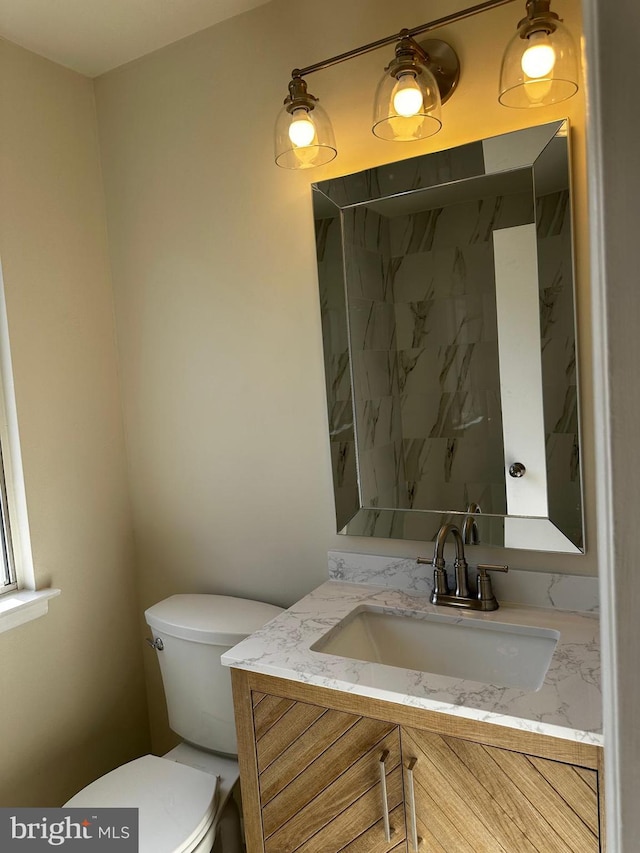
{"x":376,"y":390}
{"x":441,"y":270}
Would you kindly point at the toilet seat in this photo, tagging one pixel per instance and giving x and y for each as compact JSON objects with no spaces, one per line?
{"x":177,"y":804}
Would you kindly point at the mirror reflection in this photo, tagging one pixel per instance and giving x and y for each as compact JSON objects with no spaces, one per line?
{"x":446,"y":286}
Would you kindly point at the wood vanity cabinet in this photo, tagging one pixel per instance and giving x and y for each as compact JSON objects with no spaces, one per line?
{"x":310,"y":768}
{"x":319,"y":778}
{"x":470,"y":797}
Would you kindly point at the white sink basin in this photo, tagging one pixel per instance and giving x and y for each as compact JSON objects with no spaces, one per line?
{"x":490,"y":652}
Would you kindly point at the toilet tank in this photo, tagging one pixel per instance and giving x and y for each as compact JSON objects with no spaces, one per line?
{"x":195,"y":631}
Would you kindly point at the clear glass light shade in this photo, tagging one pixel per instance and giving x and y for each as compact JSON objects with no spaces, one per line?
{"x":304,"y":138}
{"x":407,"y":108}
{"x":539,"y":70}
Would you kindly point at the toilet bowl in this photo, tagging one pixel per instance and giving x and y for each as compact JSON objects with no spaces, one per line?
{"x":185,"y":798}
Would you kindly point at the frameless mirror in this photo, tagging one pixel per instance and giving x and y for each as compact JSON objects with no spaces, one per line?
{"x":447,"y":298}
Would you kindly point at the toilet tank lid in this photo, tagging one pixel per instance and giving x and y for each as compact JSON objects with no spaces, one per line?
{"x":214,"y":619}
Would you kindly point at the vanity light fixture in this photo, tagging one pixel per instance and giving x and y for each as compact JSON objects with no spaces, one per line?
{"x":539,"y":68}
{"x":417,"y":81}
{"x":304,"y":136}
{"x":540,"y":63}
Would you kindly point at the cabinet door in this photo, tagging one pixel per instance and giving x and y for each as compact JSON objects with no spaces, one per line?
{"x":470,"y":798}
{"x":319,"y":777}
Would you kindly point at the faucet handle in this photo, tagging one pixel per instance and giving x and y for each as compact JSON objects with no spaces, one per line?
{"x":485,"y":591}
{"x":483,"y":569}
{"x":440,"y":582}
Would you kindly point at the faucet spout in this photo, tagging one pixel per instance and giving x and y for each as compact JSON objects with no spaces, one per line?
{"x":459,"y":565}
{"x":470,"y":533}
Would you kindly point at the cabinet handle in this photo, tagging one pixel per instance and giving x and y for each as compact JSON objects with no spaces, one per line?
{"x":415,"y":841}
{"x":385,"y":800}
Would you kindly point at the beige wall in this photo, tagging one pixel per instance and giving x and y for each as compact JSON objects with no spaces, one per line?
{"x":72,"y":702}
{"x":213,"y":265}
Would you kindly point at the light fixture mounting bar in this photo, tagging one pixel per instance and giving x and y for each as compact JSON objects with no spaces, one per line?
{"x":414,"y":31}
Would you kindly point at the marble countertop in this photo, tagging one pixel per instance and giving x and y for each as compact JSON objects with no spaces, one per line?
{"x":568,"y":705}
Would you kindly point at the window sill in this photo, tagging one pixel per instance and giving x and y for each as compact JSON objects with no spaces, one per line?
{"x":22,"y":606}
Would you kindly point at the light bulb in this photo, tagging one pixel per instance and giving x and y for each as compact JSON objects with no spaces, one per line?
{"x":407,"y":97}
{"x":540,"y":57}
{"x":301,"y":129}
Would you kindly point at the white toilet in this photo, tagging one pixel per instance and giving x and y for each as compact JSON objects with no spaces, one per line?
{"x":185,"y":798}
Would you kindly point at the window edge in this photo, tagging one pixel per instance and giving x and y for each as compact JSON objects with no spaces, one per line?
{"x":24,"y":605}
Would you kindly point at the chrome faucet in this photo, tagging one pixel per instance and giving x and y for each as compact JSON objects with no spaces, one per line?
{"x":460,"y":566}
{"x":484,"y":599}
